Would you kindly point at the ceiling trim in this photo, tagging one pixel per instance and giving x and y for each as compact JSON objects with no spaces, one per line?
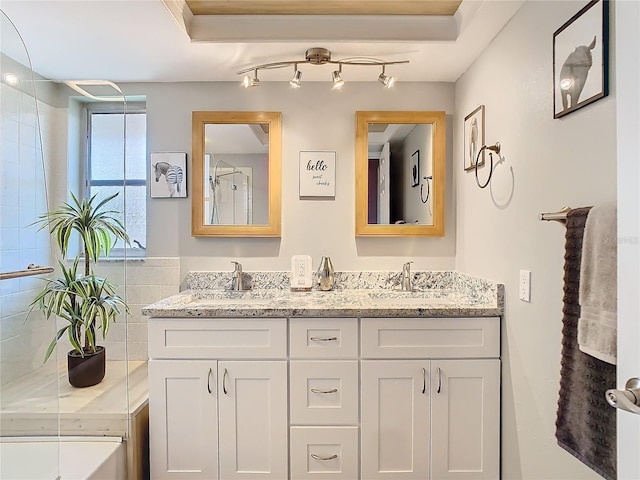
{"x":325,"y":7}
{"x":180,"y":12}
{"x":327,"y":28}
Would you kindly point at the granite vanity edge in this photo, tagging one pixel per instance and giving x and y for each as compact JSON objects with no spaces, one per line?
{"x":270,"y":312}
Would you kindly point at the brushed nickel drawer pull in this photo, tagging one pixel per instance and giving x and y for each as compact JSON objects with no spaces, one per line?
{"x":224,"y":381}
{"x":323,"y":339}
{"x":319,"y":457}
{"x":315,"y":390}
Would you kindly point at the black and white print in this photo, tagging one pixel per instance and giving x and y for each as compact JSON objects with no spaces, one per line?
{"x":168,"y":175}
{"x":580,"y":57}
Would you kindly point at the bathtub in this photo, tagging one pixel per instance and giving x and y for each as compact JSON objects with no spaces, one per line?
{"x":64,"y":458}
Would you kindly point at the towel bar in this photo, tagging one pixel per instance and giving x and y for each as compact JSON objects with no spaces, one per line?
{"x":560,"y":216}
{"x":31,"y":270}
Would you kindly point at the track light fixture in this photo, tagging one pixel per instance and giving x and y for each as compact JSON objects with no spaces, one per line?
{"x":321,"y":56}
{"x":386,"y":80}
{"x":297,"y":76}
{"x":338,"y":82}
{"x":247,"y":81}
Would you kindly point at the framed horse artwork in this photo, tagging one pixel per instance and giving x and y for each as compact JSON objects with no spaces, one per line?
{"x":580,"y":59}
{"x":168,"y":174}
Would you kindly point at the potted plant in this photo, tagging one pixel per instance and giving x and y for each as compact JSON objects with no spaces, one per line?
{"x":87,"y":303}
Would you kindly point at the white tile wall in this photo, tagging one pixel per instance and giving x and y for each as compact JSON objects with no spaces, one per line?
{"x":22,"y":199}
{"x":147,"y":281}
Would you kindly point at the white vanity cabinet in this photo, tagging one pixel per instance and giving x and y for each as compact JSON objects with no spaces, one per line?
{"x":435,"y":414}
{"x":218,"y":399}
{"x":325,"y":398}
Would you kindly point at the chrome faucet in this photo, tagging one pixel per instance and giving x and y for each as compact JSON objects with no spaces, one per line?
{"x":236,"y":279}
{"x":405,"y":279}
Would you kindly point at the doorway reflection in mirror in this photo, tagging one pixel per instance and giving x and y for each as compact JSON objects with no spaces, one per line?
{"x":395,"y":166}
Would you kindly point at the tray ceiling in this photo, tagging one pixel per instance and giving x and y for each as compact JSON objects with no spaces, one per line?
{"x":326,"y":7}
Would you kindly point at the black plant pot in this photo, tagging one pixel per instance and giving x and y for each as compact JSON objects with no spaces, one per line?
{"x":88,"y":370}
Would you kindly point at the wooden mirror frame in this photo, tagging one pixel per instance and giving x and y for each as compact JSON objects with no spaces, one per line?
{"x":438,"y":155}
{"x":200,"y":120}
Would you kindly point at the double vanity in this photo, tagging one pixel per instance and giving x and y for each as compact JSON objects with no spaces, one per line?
{"x":361,"y":382}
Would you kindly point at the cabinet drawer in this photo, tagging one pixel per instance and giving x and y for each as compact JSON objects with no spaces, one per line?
{"x":324,"y":392}
{"x":237,"y":338}
{"x":323,"y":453}
{"x":431,"y":337}
{"x":324,"y":337}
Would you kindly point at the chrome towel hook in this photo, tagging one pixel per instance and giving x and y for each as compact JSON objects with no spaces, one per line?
{"x":425,"y":200}
{"x":491,"y":148}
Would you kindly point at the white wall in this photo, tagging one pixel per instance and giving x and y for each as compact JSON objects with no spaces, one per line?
{"x":314,"y":118}
{"x":548,"y":164}
{"x":418,"y":139}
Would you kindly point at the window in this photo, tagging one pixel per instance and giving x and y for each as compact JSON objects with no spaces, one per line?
{"x":115,"y":165}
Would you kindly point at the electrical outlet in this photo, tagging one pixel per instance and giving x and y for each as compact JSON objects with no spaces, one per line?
{"x":524,"y":286}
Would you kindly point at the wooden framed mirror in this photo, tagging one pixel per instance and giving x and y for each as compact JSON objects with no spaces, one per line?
{"x":237,"y":174}
{"x":400,"y":173}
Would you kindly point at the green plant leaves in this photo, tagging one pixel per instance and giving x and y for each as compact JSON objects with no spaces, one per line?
{"x":88,"y":302}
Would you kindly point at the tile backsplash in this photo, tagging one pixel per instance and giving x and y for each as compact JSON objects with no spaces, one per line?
{"x":147,"y":280}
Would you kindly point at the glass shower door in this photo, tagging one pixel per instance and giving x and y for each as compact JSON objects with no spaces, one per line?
{"x":29,"y":389}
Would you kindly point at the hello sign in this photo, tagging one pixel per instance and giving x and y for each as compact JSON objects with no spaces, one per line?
{"x":317,"y":174}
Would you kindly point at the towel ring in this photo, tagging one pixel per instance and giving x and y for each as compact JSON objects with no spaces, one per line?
{"x":492,"y":148}
{"x":425,"y":200}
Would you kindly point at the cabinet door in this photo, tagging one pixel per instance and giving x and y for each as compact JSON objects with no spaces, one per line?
{"x":183,"y":428}
{"x":465,"y":403}
{"x":253,"y":419}
{"x":395,"y":419}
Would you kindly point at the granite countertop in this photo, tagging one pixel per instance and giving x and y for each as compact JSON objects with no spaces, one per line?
{"x":356,"y":294}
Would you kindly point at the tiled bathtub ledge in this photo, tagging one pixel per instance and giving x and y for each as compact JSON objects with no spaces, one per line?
{"x":361,"y":294}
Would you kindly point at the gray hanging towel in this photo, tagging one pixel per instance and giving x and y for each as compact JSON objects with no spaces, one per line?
{"x":585,"y":423}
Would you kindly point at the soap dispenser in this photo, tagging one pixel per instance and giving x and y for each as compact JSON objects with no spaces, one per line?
{"x":326,"y":275}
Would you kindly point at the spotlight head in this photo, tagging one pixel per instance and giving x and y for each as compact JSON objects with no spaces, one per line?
{"x":338,"y":82}
{"x":251,"y":82}
{"x":295,"y":81}
{"x":387,"y":81}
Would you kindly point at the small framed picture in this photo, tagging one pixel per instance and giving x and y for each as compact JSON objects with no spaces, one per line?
{"x":473,"y":138}
{"x":168,"y":175}
{"x":317,"y":174}
{"x":580,"y":58}
{"x":415,"y":168}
